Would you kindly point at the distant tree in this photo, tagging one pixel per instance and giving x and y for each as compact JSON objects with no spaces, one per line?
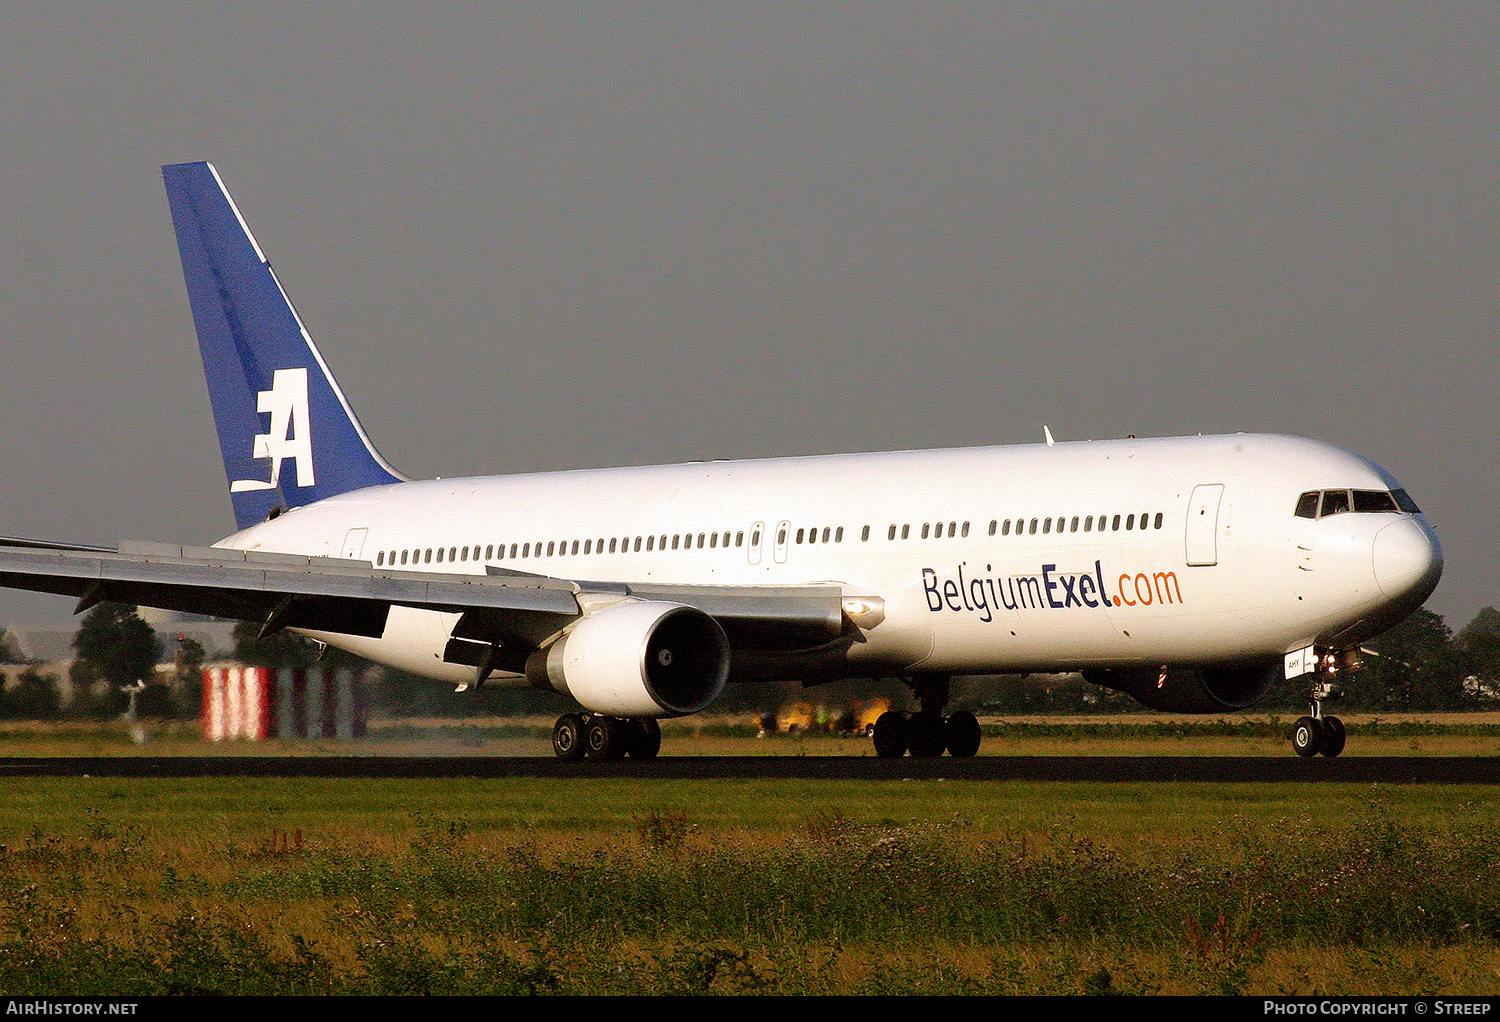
{"x":281,"y":649}
{"x":1419,"y":667}
{"x":1485,"y":624}
{"x":188,"y":666}
{"x":114,"y":646}
{"x":8,"y":652}
{"x":1480,"y":644}
{"x":35,"y":697}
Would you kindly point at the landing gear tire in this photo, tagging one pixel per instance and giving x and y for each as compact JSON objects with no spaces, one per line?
{"x":890,"y":735}
{"x":568,"y":737}
{"x":606,"y":738}
{"x":1307,"y":737}
{"x":645,"y":739}
{"x":924,"y":735}
{"x":961,"y":734}
{"x":1333,"y":737}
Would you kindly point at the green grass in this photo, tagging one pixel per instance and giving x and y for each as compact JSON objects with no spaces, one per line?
{"x":586,"y":886}
{"x":234,"y":809}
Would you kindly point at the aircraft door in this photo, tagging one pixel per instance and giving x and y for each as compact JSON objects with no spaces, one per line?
{"x":1203,"y":525}
{"x":354,"y":544}
{"x":782,"y":530}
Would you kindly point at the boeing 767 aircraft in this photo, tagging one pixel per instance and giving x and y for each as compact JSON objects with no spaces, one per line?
{"x":1193,"y":573}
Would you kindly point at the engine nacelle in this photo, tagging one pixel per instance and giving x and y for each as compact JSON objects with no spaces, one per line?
{"x":1193,"y":690}
{"x":637,"y":659}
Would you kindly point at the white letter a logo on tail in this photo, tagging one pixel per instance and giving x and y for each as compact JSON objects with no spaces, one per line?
{"x":289,"y":435}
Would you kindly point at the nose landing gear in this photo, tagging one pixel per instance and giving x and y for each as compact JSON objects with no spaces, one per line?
{"x":1317,"y":733}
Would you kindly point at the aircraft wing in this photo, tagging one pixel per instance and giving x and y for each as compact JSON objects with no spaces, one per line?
{"x":349,"y":597}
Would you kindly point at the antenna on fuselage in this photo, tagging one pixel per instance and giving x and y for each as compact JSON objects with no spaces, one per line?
{"x":1048,"y":434}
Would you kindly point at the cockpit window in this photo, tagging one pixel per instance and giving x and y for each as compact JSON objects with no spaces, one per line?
{"x":1322,"y":503}
{"x":1374,"y":500}
{"x":1335,"y":502}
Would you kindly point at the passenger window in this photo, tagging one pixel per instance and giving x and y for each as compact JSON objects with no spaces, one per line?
{"x":925,"y":528}
{"x":755,"y":538}
{"x":1088,"y":524}
{"x":1158,"y":519}
{"x":905,"y":531}
{"x":1033,"y":526}
{"x":892,"y":534}
{"x":1005,"y":530}
{"x":964,"y":532}
{"x":838,"y":536}
{"x":1335,"y":502}
{"x":993,"y":524}
{"x":1116,"y":526}
{"x":1074,"y":526}
{"x":612,"y":544}
{"x":1046,"y":526}
{"x":799,"y":534}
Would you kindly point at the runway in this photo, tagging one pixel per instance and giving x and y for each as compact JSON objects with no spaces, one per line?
{"x":1164,"y":769}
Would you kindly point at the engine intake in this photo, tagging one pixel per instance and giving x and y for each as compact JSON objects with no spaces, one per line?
{"x":1192,"y":690}
{"x":637,"y":659}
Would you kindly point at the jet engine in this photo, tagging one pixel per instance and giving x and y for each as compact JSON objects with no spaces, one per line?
{"x":637,"y":659}
{"x":1192,"y":690}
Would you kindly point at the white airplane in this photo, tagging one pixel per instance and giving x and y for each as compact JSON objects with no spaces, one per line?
{"x":1191,"y":572}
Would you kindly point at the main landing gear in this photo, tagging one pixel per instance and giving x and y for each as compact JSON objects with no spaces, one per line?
{"x":596,"y":736}
{"x":927,"y":733}
{"x":1316,"y":733}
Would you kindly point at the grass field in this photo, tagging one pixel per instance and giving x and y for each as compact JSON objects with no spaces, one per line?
{"x":614,"y":886}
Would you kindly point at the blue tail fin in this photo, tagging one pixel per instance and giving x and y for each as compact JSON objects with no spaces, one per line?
{"x":261,"y":364}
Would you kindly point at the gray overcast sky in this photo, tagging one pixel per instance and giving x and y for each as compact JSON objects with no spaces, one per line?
{"x":554,"y":235}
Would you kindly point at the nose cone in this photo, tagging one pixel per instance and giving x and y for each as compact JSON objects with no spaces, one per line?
{"x":1408,"y":561}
